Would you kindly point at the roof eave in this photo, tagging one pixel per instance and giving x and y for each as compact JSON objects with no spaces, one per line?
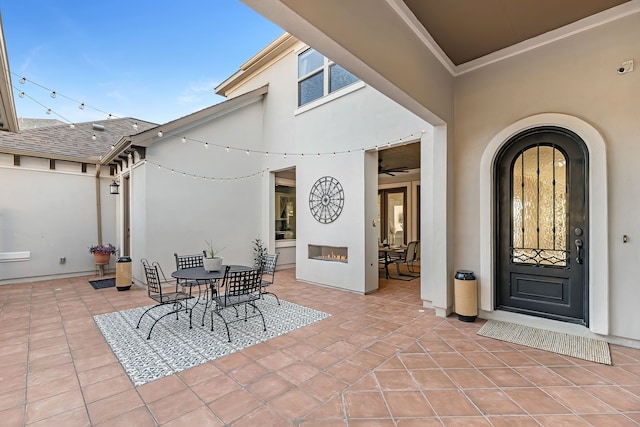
{"x":275,"y":49}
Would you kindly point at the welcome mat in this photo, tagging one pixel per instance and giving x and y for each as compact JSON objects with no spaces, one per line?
{"x":584,"y":348}
{"x":174,"y":347}
{"x":103,"y":283}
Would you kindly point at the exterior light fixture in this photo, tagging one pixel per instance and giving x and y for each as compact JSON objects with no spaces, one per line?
{"x":113,"y":188}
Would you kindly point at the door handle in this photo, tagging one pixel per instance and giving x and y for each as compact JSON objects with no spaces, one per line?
{"x":579,"y":245}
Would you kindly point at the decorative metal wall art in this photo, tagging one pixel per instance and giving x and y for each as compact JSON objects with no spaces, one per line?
{"x":326,"y":199}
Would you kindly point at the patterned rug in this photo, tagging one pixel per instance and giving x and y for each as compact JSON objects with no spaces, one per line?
{"x":103,"y":283}
{"x":174,"y":347}
{"x":584,"y":348}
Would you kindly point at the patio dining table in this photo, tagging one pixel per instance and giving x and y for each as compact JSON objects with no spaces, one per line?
{"x":212,"y":277}
{"x":388,"y":256}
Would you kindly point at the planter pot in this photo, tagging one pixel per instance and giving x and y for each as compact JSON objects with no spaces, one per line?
{"x":212,"y":264}
{"x":101,"y":258}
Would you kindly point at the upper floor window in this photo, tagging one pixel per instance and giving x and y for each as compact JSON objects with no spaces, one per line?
{"x":318,"y":76}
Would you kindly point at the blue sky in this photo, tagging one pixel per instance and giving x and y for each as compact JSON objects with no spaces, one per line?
{"x":152,"y":60}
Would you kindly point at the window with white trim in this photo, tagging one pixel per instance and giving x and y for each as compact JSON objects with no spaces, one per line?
{"x":318,"y":76}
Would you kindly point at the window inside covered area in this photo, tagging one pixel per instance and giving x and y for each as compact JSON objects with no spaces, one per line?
{"x":285,"y":215}
{"x":318,"y":76}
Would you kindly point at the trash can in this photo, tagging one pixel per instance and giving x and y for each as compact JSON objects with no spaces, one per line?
{"x":466,"y":296}
{"x":123,"y":273}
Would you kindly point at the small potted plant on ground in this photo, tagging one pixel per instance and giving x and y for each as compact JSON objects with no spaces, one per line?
{"x":211,"y":261}
{"x":102,"y":253}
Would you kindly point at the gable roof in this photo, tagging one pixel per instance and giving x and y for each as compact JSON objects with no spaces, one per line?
{"x":65,"y":142}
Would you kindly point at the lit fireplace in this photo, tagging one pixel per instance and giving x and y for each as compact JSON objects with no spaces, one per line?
{"x":329,"y":253}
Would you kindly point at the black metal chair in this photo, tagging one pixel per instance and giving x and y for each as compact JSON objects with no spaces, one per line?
{"x":411,"y":256}
{"x":268,"y":273}
{"x":190,"y":261}
{"x":241,"y":288}
{"x":178,"y":299}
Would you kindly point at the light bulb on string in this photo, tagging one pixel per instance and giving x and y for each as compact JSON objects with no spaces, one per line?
{"x":160,"y":134}
{"x":266,"y":154}
{"x":302,"y":155}
{"x":113,"y":146}
{"x":285,"y":155}
{"x":109,"y":116}
{"x":21,"y":94}
{"x":227,"y":148}
{"x":94,"y":137}
{"x":247,"y":152}
{"x":206,"y":145}
{"x":48,"y":111}
{"x":184,"y":140}
{"x":318,"y":155}
{"x":23,"y":80}
{"x":81,"y":106}
{"x":53,"y":94}
{"x":135,"y":126}
{"x":334,"y":154}
{"x":72,"y":126}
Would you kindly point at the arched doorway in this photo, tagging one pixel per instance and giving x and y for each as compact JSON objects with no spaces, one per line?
{"x":542,"y":241}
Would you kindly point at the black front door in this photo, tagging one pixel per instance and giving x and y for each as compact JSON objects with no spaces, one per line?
{"x":542,"y":225}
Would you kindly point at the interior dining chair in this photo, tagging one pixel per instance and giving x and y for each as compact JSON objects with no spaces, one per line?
{"x":172,"y":301}
{"x":269,"y":262}
{"x":410,"y":258}
{"x":240,"y":289}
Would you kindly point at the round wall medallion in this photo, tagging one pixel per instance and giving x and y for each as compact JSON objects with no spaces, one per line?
{"x":326,"y":199}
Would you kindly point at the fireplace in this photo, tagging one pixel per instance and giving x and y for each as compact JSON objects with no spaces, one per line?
{"x":329,"y":253}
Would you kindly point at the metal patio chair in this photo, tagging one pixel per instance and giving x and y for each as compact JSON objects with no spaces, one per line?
{"x":239,"y":288}
{"x":269,"y":262}
{"x":175,"y":298}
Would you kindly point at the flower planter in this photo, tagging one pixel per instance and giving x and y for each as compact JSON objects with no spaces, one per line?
{"x":101,"y":258}
{"x":212,"y":264}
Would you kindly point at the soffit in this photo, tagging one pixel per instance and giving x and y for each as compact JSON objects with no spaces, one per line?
{"x":470,"y":29}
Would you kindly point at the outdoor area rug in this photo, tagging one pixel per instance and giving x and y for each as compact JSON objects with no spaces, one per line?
{"x":103,"y":283}
{"x":174,"y":347}
{"x":584,"y":348}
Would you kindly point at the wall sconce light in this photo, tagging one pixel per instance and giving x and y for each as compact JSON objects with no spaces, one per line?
{"x":113,"y":188}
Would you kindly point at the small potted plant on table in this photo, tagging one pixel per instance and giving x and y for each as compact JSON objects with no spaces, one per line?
{"x":211,"y":261}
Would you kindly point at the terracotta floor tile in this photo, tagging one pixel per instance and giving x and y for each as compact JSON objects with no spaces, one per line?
{"x":365,"y":405}
{"x":408,"y":404}
{"x":158,"y":389}
{"x":215,"y":388}
{"x":450,"y":360}
{"x":113,"y":406}
{"x":74,"y":418}
{"x":270,"y":386}
{"x":298,"y":373}
{"x":494,"y":402}
{"x":542,"y":376}
{"x":450,"y":403}
{"x":616,"y":397}
{"x":174,"y":405}
{"x":535,"y":401}
{"x":505,"y":377}
{"x":323,"y":386}
{"x":106,"y":388}
{"x":295,"y":403}
{"x":54,"y":405}
{"x":12,"y":399}
{"x":432,"y":371}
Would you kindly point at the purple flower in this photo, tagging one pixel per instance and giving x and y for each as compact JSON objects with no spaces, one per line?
{"x":103,"y":249}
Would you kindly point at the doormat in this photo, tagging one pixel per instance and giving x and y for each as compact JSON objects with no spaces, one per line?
{"x":174,"y":347}
{"x":103,"y":283}
{"x":584,"y":348}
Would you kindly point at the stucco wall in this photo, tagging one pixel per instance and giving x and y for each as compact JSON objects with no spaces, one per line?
{"x":361,"y":118}
{"x":52,"y":214}
{"x":176,"y":213}
{"x":575,"y":76}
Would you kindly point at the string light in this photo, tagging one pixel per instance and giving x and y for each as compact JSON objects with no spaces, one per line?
{"x":247,"y":152}
{"x":160,"y":134}
{"x":135,"y":126}
{"x":72,"y":126}
{"x":21,"y":94}
{"x":212,"y":178}
{"x":94,"y":137}
{"x":227,"y":148}
{"x":81,"y":106}
{"x":48,"y":111}
{"x":206,"y":145}
{"x":184,"y":140}
{"x":53,"y":94}
{"x":23,"y":80}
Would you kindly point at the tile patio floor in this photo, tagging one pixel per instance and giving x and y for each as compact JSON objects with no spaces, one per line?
{"x":380,"y":360}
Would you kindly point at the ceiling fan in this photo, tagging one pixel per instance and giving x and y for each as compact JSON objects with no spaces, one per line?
{"x":391,"y":171}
